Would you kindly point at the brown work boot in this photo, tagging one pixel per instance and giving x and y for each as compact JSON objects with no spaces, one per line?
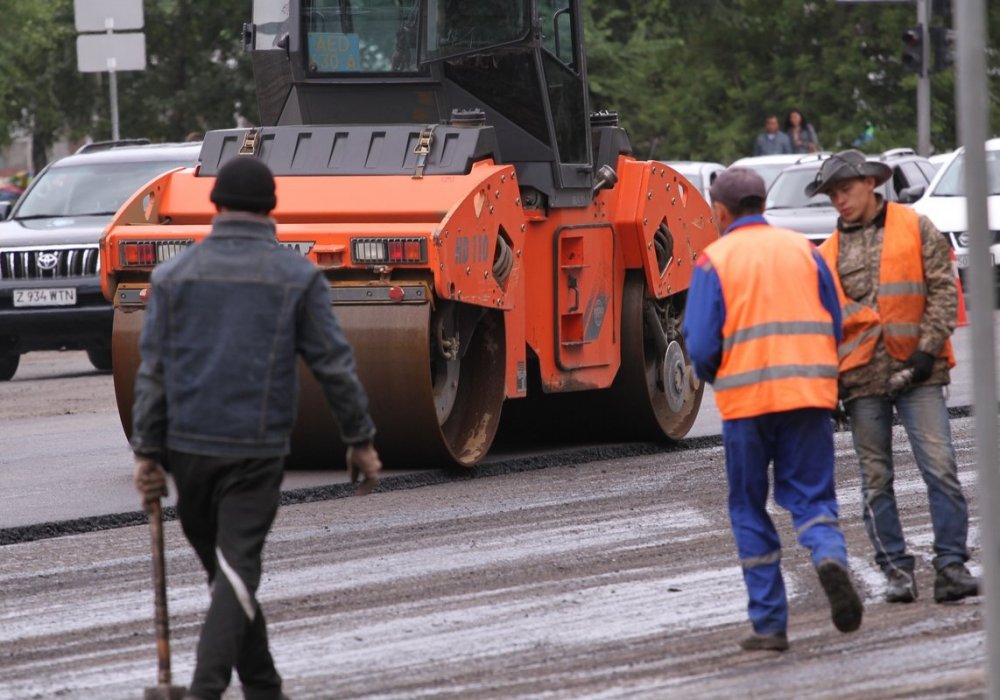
{"x":774,"y":641}
{"x":845,"y":605}
{"x":900,"y":586}
{"x":954,"y":582}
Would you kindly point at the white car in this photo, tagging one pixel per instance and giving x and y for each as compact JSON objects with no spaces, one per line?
{"x":939,"y":159}
{"x":944,"y":204}
{"x":768,"y":167}
{"x":701,"y":174}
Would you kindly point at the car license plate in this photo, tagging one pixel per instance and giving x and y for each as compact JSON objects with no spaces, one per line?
{"x":962,"y":261}
{"x":63,"y":296}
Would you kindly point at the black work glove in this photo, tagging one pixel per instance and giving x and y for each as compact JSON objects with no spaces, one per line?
{"x":839,"y":416}
{"x":922,"y":364}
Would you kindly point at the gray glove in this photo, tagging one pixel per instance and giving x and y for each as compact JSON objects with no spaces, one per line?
{"x":363,"y":461}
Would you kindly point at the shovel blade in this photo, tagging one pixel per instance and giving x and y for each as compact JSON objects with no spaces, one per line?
{"x":164,"y":692}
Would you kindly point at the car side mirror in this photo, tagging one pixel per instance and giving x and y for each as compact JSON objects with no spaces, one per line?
{"x":908,"y":195}
{"x":5,"y":208}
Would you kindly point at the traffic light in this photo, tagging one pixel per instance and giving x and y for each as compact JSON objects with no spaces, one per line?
{"x":913,"y":49}
{"x":941,"y":43}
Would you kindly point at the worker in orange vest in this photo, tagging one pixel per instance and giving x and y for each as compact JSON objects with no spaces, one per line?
{"x":897,"y":290}
{"x":762,"y":325}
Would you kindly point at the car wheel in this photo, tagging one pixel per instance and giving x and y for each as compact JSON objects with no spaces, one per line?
{"x":8,"y":365}
{"x":100,"y":358}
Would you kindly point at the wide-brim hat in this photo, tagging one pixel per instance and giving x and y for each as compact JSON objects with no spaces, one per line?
{"x":845,"y":166}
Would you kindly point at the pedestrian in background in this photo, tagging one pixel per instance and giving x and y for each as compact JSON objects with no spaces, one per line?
{"x":215,"y":401}
{"x":801,"y":133}
{"x":762,"y":325}
{"x":899,"y":300}
{"x":772,"y":141}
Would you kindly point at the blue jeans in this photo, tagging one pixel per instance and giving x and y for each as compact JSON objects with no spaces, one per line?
{"x":924,"y":415}
{"x":800,"y":443}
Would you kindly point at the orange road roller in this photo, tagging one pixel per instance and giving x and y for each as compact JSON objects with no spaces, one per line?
{"x":488,"y":241}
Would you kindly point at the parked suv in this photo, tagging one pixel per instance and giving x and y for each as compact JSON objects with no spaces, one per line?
{"x":50,"y":291}
{"x":788,"y":206}
{"x":944,"y":204}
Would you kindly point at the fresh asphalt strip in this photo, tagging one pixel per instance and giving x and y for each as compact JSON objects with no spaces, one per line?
{"x":561,"y":458}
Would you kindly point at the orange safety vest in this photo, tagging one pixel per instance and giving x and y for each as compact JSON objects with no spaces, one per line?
{"x":779,"y":351}
{"x":902,"y":295}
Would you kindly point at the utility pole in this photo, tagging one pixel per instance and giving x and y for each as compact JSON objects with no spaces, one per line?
{"x":924,"y":83}
{"x":973,"y":111}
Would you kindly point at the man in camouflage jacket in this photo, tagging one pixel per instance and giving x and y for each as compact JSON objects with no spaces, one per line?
{"x":871,"y":267}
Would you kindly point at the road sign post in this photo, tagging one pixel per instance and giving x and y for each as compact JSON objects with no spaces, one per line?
{"x":109,"y":50}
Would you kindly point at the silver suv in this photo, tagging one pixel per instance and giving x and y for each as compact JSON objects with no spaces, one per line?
{"x":50,"y":290}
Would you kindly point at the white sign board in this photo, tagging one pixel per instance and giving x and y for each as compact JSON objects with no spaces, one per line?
{"x":96,"y":53}
{"x":104,"y":15}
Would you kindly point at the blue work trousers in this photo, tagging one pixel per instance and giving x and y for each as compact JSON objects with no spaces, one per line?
{"x":924,"y":415}
{"x":800,"y":444}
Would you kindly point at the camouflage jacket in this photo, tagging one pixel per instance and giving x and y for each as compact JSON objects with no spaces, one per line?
{"x":858,"y":269}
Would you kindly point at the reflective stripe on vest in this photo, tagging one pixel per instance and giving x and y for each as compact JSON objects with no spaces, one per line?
{"x":778,"y":348}
{"x":902,"y":294}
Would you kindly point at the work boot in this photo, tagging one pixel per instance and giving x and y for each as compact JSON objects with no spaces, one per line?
{"x":900,"y":586}
{"x":845,"y":605}
{"x":954,"y":582}
{"x":773,"y":641}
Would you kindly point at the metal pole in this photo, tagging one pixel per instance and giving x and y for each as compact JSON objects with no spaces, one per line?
{"x":972,"y":110}
{"x":924,"y":84}
{"x":109,"y":24}
{"x":113,"y":82}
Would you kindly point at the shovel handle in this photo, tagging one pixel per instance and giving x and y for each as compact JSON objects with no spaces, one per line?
{"x":159,"y":591}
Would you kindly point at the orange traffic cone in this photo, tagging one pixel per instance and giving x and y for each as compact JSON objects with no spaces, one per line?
{"x":963,"y":319}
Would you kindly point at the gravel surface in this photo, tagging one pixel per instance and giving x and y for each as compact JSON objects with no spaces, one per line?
{"x":602,"y":578}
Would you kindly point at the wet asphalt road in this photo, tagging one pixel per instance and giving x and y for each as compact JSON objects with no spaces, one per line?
{"x":606,"y":574}
{"x":606,"y":578}
{"x":64,"y":456}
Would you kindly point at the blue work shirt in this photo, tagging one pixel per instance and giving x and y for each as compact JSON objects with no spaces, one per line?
{"x":705,"y":313}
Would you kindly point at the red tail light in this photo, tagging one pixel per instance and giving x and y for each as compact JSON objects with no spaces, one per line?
{"x":149,"y":253}
{"x":371,"y":251}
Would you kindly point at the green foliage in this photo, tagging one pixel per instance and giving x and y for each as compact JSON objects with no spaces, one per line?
{"x":197,"y":77}
{"x":714,"y":69}
{"x":689,"y":79}
{"x":41,"y":92}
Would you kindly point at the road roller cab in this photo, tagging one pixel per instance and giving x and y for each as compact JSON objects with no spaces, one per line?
{"x":487,"y":240}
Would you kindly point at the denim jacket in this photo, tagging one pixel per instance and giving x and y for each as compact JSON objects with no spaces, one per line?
{"x":225,"y":322}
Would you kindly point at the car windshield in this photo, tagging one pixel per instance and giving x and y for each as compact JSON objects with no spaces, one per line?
{"x":89,"y":189}
{"x":788,"y":191}
{"x":952,"y":182}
